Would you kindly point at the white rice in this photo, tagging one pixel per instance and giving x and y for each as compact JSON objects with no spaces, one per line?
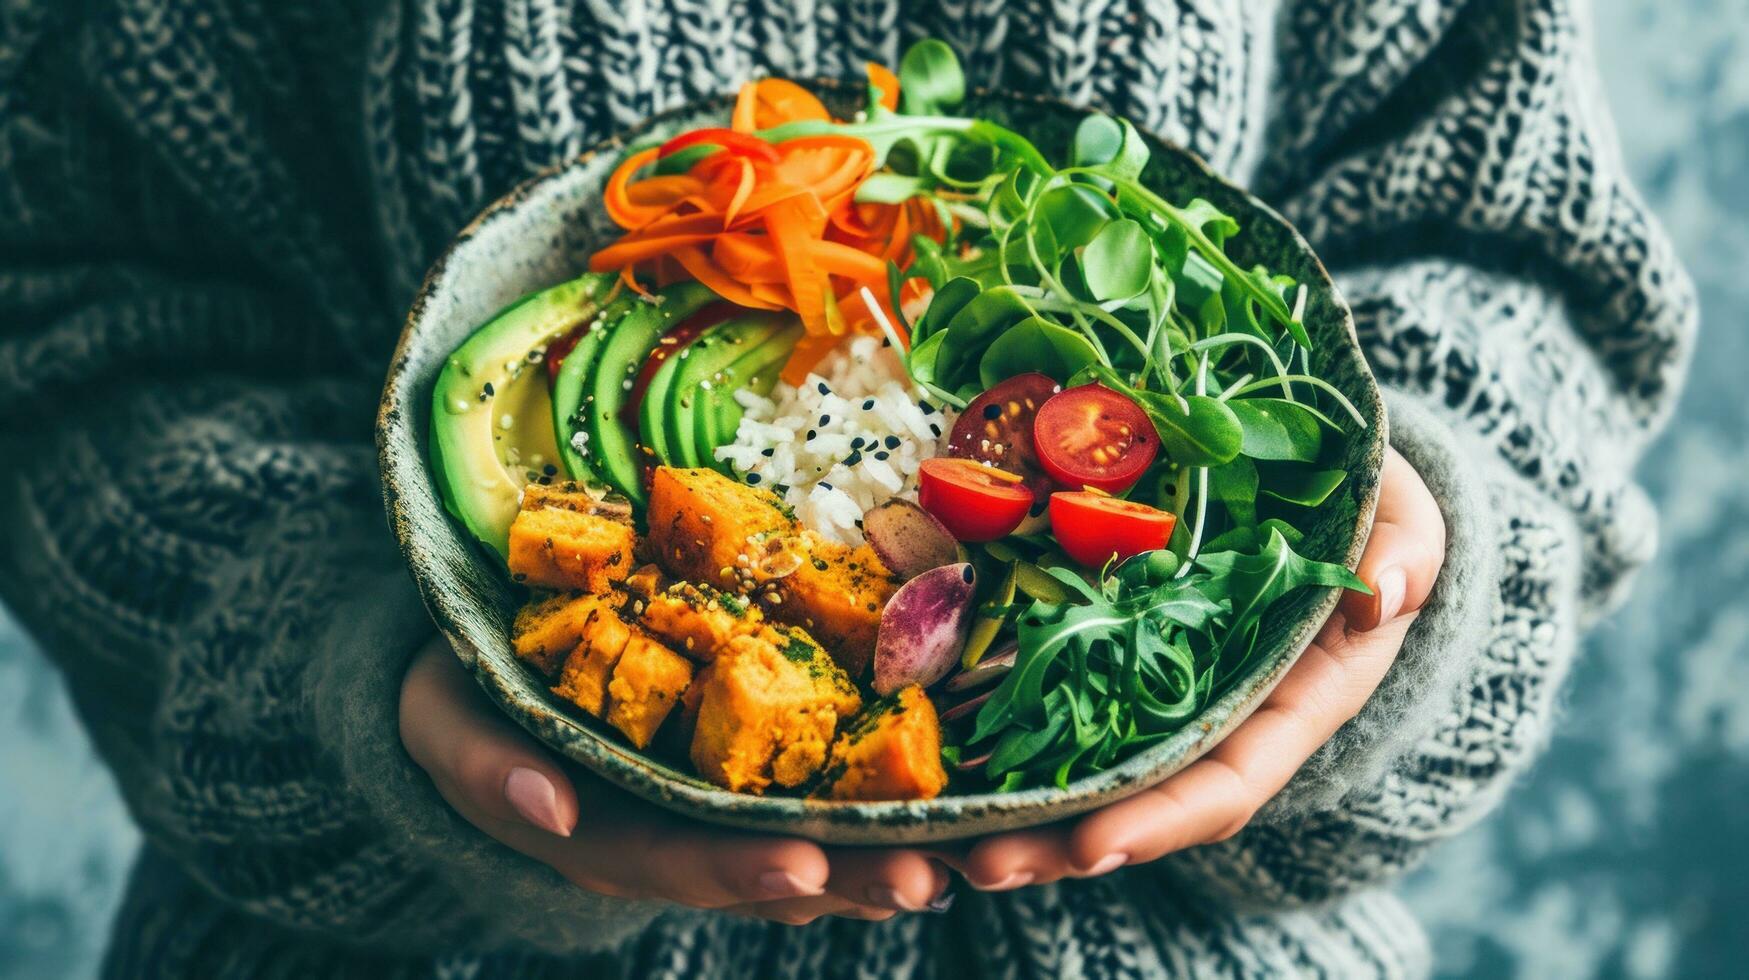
{"x":848,"y":438}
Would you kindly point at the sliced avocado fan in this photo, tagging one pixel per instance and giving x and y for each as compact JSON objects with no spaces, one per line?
{"x":490,"y":407}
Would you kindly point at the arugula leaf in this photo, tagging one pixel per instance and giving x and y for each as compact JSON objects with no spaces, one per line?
{"x":1234,"y":484}
{"x":1035,"y":344}
{"x":1302,"y":486}
{"x":1278,"y":429}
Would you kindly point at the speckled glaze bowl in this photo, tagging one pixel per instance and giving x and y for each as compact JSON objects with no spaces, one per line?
{"x":543,"y":232}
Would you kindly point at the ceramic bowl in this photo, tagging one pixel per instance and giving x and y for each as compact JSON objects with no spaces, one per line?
{"x":543,"y":232}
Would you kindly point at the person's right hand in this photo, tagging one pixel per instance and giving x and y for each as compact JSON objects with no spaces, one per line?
{"x":507,"y":785}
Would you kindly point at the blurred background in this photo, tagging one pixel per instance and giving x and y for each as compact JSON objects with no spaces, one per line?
{"x":1625,"y":853}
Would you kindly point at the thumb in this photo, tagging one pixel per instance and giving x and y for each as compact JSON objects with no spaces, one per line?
{"x":486,"y":767}
{"x":1404,"y":553}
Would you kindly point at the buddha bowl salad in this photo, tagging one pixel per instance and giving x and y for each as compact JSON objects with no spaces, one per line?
{"x":884,"y":455}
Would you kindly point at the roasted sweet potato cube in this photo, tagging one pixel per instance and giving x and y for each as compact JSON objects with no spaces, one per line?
{"x":547,"y":630}
{"x":647,"y":684}
{"x":892,"y":751}
{"x":767,"y":711}
{"x":699,"y":621}
{"x":556,"y":548}
{"x":706,"y":527}
{"x":837,"y":595}
{"x":588,"y":669}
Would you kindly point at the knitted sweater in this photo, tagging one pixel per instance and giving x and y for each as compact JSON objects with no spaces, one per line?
{"x":212,"y":213}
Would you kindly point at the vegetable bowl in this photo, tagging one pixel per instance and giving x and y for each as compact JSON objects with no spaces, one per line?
{"x":993,"y":475}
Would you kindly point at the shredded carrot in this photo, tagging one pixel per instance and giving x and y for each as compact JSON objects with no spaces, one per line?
{"x":779,"y":231}
{"x":882,"y":78}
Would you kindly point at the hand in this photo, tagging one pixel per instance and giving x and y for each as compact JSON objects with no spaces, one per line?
{"x":1214,"y":797}
{"x":608,"y":842}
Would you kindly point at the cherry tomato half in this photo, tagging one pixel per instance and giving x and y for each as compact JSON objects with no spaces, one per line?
{"x":973,"y":501}
{"x":560,"y":348}
{"x":1093,"y":528}
{"x":1091,"y":436}
{"x":996,"y":428}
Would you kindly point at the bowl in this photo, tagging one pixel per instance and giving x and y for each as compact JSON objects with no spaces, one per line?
{"x":543,"y":232}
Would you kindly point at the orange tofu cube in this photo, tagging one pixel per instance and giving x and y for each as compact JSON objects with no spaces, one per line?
{"x":699,"y":621}
{"x":563,"y":549}
{"x":891,"y":752}
{"x":589,"y":668}
{"x":547,"y":630}
{"x":837,"y":595}
{"x":647,"y":684}
{"x":707,"y":528}
{"x":767,"y":711}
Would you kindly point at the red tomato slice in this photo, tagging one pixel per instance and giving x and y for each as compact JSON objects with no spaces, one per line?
{"x":1093,"y":528}
{"x":1092,"y":436}
{"x":973,"y":501}
{"x":740,"y":144}
{"x":671,"y":343}
{"x":559,"y":349}
{"x":997,"y":428}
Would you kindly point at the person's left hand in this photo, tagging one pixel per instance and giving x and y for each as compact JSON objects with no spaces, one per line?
{"x":1216,"y":796}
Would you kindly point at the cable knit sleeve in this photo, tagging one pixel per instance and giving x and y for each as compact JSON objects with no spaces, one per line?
{"x":1530,"y":325}
{"x":193,"y":525}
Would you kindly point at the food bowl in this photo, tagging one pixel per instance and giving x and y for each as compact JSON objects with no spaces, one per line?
{"x":544,"y":231}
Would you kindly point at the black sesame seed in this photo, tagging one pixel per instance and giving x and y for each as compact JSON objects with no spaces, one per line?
{"x":882,"y":454}
{"x":936,"y":429}
{"x":550,"y":470}
{"x":868,"y":405}
{"x":992,"y":411}
{"x":824,"y":485}
{"x":753,"y":479}
{"x":856,"y":443}
{"x":854,"y":458}
{"x":768,"y":451}
{"x":780,"y":487}
{"x":969,"y":575}
{"x":891,"y":442}
{"x":811,"y":435}
{"x":928,"y":409}
{"x":823,"y":389}
{"x":824,"y":419}
{"x":489,"y":392}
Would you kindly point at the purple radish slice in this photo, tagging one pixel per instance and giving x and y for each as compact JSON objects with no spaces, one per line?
{"x":908,"y":538}
{"x":966,"y":708}
{"x":924,"y":627}
{"x":976,"y":762}
{"x":987,"y":671}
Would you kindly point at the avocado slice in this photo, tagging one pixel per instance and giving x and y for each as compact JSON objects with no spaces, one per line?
{"x":706,"y":370}
{"x":655,"y":403}
{"x":613,"y":445}
{"x":568,"y":389}
{"x":481,"y":463}
{"x":716,"y":414}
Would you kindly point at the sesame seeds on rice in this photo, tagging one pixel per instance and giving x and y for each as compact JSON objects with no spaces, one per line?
{"x":848,"y":438}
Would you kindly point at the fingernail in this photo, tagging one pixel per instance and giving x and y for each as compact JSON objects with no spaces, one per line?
{"x":533,"y":797}
{"x":1391,"y":586}
{"x":888,"y":898}
{"x":942,"y":902}
{"x":1015,"y":880}
{"x":782,"y":884}
{"x":1106,"y":865}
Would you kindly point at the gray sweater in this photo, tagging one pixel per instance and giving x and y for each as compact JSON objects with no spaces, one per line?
{"x":212,"y":213}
